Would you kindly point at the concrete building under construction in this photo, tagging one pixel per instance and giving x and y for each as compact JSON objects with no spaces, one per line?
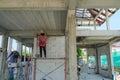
{"x":61,"y":20}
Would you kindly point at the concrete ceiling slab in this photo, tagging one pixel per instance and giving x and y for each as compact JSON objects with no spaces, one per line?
{"x":32,"y":20}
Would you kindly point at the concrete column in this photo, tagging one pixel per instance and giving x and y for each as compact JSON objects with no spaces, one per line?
{"x":107,"y":20}
{"x":35,"y":46}
{"x":34,"y":51}
{"x":10,"y":45}
{"x":94,"y":25}
{"x":72,"y":58}
{"x":97,"y":62}
{"x":110,"y":61}
{"x":4,"y":46}
{"x":67,"y":56}
{"x":19,"y":47}
{"x":25,"y":54}
{"x":22,"y":49}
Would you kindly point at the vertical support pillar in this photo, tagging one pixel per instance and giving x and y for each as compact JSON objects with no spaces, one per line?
{"x":10,"y":41}
{"x":19,"y":47}
{"x":111,"y":64}
{"x":94,"y":25}
{"x":34,"y":49}
{"x":25,"y":64}
{"x":71,"y":44}
{"x":35,"y":46}
{"x":107,"y":20}
{"x":97,"y":63}
{"x":4,"y":46}
{"x":25,"y":54}
{"x":10,"y":45}
{"x":67,"y":56}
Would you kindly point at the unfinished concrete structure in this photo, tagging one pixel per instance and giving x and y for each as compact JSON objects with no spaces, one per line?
{"x":23,"y":19}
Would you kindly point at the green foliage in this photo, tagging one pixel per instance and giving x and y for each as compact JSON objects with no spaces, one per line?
{"x":27,"y":53}
{"x":80,"y":53}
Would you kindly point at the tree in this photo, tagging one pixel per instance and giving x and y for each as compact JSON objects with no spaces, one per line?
{"x":80,"y":52}
{"x":27,"y":53}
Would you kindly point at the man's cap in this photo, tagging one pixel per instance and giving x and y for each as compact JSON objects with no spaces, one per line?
{"x":41,"y":31}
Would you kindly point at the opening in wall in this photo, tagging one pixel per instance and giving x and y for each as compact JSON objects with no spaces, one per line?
{"x":104,"y":62}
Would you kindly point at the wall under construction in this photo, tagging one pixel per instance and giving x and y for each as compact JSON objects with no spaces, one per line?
{"x":103,"y":50}
{"x":52,"y":67}
{"x":55,"y":47}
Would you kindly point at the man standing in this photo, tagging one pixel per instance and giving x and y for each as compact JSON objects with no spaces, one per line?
{"x":42,"y":38}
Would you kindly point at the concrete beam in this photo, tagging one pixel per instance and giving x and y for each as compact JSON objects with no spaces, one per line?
{"x":114,"y":40}
{"x":30,"y":41}
{"x":32,"y":33}
{"x":28,"y":45}
{"x":85,"y":46}
{"x":72,"y":4}
{"x":88,"y":25}
{"x":16,"y":38}
{"x":92,"y":42}
{"x":2,"y":30}
{"x":33,"y":4}
{"x":82,"y":19}
{"x":98,"y":4}
{"x":98,"y":33}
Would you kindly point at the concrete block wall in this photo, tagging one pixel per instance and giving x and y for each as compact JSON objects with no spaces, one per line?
{"x":101,"y":51}
{"x":50,"y":69}
{"x":55,"y":47}
{"x":91,"y":51}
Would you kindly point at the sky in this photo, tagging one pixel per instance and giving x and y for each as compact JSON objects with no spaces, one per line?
{"x":114,"y":22}
{"x":14,"y":45}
